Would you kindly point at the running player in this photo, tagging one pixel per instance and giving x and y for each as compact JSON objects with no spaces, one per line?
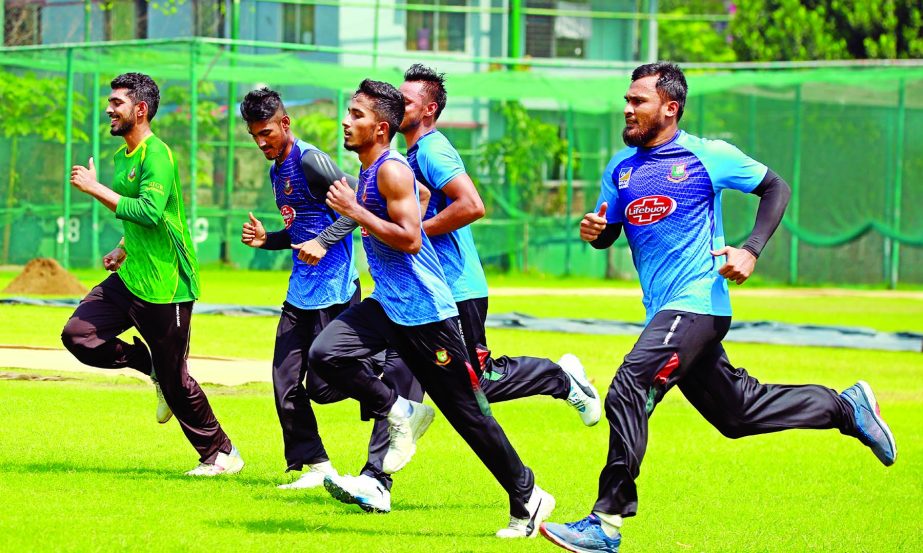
{"x":665,"y":191}
{"x":412,"y":311}
{"x":317,"y":294}
{"x":454,"y":205}
{"x":155,"y":276}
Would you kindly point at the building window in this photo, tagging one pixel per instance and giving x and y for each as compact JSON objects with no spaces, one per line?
{"x":23,"y":24}
{"x":558,"y":36}
{"x":437,"y":30}
{"x":298,"y":24}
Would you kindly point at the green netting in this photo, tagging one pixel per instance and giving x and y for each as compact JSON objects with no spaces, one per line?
{"x":847,"y":139}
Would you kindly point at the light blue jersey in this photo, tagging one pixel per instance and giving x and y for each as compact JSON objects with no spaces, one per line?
{"x":668,"y":200}
{"x":410,"y":287}
{"x":332,"y":281}
{"x":435,"y":162}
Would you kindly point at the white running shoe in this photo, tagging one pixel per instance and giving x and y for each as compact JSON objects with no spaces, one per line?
{"x":540,"y":505}
{"x":363,"y":490}
{"x":583,"y":396}
{"x":225,"y":463}
{"x":404,"y":433}
{"x":164,"y":413}
{"x":312,"y":477}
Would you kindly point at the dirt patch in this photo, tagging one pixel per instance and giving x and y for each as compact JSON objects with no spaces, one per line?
{"x":45,"y":276}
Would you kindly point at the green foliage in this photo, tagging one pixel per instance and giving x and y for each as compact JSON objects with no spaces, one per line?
{"x":175,"y":128}
{"x":779,"y":30}
{"x":166,"y":7}
{"x":523,"y":154}
{"x":694,"y":41}
{"x":317,"y":124}
{"x":32,"y":106}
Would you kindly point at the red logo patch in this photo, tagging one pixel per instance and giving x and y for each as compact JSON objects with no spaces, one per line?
{"x":649,"y":209}
{"x":288,"y":215}
{"x":365,"y":232}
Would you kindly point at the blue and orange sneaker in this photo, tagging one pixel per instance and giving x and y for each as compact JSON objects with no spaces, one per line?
{"x":584,"y":536}
{"x":873,"y":431}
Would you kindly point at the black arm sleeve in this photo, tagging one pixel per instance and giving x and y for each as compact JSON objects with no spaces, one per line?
{"x":336,"y":231}
{"x":608,"y":236}
{"x":774,"y":194}
{"x":320,"y":171}
{"x":279,"y":240}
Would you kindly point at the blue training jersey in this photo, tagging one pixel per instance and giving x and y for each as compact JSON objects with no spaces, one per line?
{"x":332,"y":281}
{"x":668,"y":199}
{"x":410,"y":287}
{"x":435,"y":162}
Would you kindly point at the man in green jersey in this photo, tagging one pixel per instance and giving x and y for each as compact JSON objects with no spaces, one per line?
{"x":155,"y":277}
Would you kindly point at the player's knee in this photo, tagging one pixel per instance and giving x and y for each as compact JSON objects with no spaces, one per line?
{"x":321,"y":357}
{"x":285,"y":380}
{"x":614,"y":401}
{"x":323,"y":396}
{"x":76,"y":336}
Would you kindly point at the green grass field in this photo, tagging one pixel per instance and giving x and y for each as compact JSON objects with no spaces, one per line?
{"x":84,"y":466}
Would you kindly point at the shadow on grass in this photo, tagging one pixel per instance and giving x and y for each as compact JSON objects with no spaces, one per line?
{"x":319,"y":496}
{"x":126,"y":471}
{"x":280,"y":525}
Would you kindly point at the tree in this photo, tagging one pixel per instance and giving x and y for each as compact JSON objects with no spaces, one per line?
{"x":781,"y":30}
{"x":31,"y":106}
{"x":521,"y":156}
{"x":523,"y":153}
{"x":694,"y":41}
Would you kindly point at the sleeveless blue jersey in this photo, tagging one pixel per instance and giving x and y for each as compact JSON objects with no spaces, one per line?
{"x":411,"y":288}
{"x":435,"y":162}
{"x":668,"y":199}
{"x":332,"y":281}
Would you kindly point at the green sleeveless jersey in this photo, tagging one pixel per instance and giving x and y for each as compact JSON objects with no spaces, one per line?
{"x":161,"y":265}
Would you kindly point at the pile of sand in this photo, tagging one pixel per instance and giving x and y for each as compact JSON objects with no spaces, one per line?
{"x":45,"y":276}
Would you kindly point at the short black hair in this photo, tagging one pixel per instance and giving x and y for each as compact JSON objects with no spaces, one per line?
{"x":141,"y":88}
{"x":260,"y":105}
{"x":387,"y":102}
{"x":434,"y":84}
{"x":671,"y":83}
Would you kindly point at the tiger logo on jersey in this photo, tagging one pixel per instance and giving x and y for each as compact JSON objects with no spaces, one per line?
{"x":649,"y":210}
{"x":287,"y":187}
{"x":131,"y":175}
{"x":288,"y":215}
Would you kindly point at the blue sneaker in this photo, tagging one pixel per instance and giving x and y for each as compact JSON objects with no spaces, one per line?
{"x":585,"y":535}
{"x":873,"y":431}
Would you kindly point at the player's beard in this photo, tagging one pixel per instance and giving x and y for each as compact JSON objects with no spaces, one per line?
{"x":641,"y":134}
{"x":409,"y":124}
{"x":123,"y":126}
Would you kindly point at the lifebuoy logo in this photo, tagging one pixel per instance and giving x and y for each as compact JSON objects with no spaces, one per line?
{"x":288,"y":215}
{"x":649,"y":209}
